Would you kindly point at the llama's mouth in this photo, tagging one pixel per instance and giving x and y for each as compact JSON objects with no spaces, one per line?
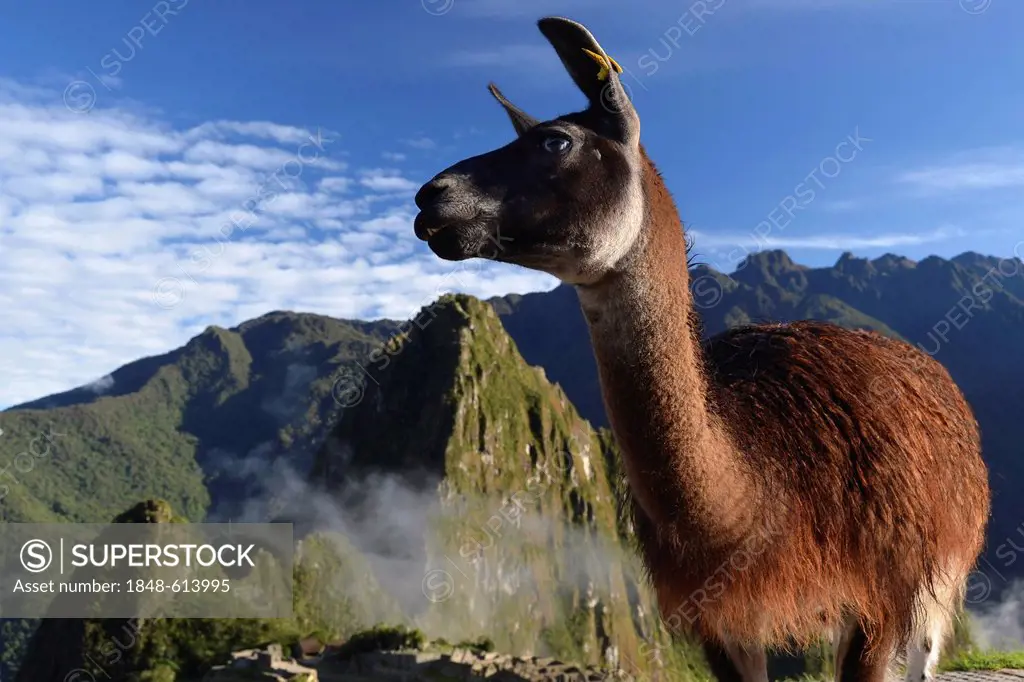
{"x":447,"y":244}
{"x":455,"y":218}
{"x":427,"y":225}
{"x":452,"y":240}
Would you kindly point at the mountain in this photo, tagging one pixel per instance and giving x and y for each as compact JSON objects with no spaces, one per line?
{"x":199,"y":426}
{"x":521,"y":516}
{"x":457,"y":490}
{"x":967,"y":312}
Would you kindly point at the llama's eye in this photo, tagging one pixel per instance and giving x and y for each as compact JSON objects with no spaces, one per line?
{"x":556,"y":143}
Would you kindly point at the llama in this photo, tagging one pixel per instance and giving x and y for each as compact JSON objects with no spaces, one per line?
{"x":778,"y":497}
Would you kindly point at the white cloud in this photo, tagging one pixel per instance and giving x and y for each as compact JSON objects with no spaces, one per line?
{"x":393,"y":222}
{"x":121,"y":164}
{"x":421,"y":143}
{"x":122,"y":236}
{"x":969,"y":176}
{"x":843,"y":205}
{"x":262,"y":129}
{"x":237,"y":154}
{"x":380,"y":180}
{"x":249,"y":156}
{"x":974,"y":170}
{"x":53,"y":186}
{"x":101,"y":385}
{"x":335,"y":184}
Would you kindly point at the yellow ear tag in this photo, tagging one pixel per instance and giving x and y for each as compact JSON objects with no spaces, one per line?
{"x":603,"y":73}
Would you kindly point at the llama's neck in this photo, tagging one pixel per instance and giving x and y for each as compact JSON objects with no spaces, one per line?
{"x":681,"y":466}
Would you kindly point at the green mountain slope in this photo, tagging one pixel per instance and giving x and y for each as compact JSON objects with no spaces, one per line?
{"x":179,"y":426}
{"x":520,"y":538}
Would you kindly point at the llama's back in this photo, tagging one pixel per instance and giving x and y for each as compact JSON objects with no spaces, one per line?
{"x":870,"y":459}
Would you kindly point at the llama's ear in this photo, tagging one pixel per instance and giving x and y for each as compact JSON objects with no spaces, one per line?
{"x":521,"y":121}
{"x":595,"y":73}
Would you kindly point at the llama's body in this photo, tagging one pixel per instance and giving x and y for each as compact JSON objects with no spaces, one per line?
{"x":870,"y":492}
{"x":789,"y":481}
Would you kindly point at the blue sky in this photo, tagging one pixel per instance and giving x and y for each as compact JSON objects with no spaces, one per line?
{"x":131,"y":134}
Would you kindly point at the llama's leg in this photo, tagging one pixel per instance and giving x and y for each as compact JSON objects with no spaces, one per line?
{"x":923,"y":653}
{"x":841,"y":644}
{"x":853,"y":661}
{"x":733,"y":663}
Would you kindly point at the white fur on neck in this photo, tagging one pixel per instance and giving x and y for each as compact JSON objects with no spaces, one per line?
{"x":627,"y":219}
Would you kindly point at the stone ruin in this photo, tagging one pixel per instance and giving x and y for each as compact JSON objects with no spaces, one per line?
{"x":262,"y":664}
{"x":270,"y":664}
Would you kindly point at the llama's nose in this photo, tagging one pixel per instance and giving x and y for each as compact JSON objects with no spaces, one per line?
{"x":431,"y":191}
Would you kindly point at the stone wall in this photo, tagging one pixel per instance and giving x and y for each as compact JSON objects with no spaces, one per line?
{"x":408,"y":666}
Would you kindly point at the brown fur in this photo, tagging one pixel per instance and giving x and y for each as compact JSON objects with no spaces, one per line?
{"x":777,"y":490}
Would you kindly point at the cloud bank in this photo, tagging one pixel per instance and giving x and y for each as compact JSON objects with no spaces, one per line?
{"x":123,"y":236}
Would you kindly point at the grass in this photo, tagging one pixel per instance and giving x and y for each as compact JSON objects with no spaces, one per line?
{"x":984,"y":660}
{"x":382,"y":638}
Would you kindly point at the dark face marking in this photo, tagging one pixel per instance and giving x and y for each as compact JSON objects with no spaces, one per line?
{"x":564,"y":198}
{"x":547,"y":201}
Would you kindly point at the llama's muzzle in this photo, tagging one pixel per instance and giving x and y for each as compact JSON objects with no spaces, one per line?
{"x":448,"y":200}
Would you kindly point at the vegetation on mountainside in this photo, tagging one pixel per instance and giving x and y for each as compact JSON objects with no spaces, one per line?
{"x":382,"y":638}
{"x":177,"y":426}
{"x":523,"y":535}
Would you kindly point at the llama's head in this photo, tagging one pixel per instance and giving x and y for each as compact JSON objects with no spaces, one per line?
{"x":566,"y":197}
